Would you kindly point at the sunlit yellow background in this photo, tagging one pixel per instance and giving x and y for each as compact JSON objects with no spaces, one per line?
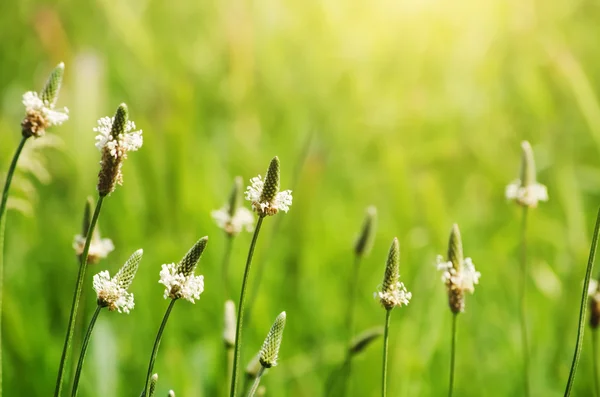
{"x":415,"y":106}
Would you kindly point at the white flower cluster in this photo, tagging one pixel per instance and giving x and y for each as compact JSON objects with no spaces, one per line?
{"x":35,"y":105}
{"x":111,"y":294}
{"x":242,"y":219}
{"x":464,"y":280}
{"x":282,"y":200}
{"x":129,"y":141}
{"x":528,"y":196}
{"x":179,"y":286}
{"x":398,"y":295}
{"x":99,"y":247}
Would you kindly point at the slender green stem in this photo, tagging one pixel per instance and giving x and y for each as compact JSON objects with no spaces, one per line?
{"x":583,"y":307}
{"x":595,"y":360}
{"x":452,"y":354}
{"x":240,"y":314}
{"x":352,"y":285}
{"x":230,"y":354}
{"x":9,"y":176}
{"x":225,"y":264}
{"x":388,"y":312}
{"x":156,"y":345}
{"x":522,"y":302}
{"x":76,"y":297}
{"x":84,"y":346}
{"x":256,"y":382}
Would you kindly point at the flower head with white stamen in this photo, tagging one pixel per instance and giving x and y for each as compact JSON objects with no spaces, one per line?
{"x":393,"y":293}
{"x":232,"y":217}
{"x":179,"y":279}
{"x":112,"y":292}
{"x":264,"y":194}
{"x":526,"y":191}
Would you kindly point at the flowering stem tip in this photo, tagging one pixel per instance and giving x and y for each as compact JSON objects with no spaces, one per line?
{"x":265,"y":196}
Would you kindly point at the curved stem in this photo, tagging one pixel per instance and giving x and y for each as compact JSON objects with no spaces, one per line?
{"x":595,"y":360}
{"x":583,"y":307}
{"x":452,"y":355}
{"x":156,"y":345}
{"x":84,"y":346}
{"x":225,"y":264}
{"x":388,"y":312}
{"x":522,"y":304}
{"x":256,"y":382}
{"x":76,"y":297}
{"x":9,"y":176}
{"x":240,"y":314}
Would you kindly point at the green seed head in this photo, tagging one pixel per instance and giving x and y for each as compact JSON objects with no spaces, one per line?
{"x":52,"y":87}
{"x":190,"y":260}
{"x":392,"y":267}
{"x":367,"y":234}
{"x":235,"y":197}
{"x":126,"y":274}
{"x":271,"y":186}
{"x":120,"y":121}
{"x":153,"y":381}
{"x":527,"y":165}
{"x":455,"y":249}
{"x":270,"y":348}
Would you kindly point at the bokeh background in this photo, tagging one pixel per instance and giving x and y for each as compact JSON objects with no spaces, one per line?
{"x":416,"y":107}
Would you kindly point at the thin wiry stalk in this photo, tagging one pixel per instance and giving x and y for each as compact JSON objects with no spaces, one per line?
{"x":240,"y":314}
{"x":230,"y":355}
{"x":84,"y":346}
{"x":256,"y":382}
{"x":350,"y":322}
{"x":522,"y":304}
{"x":5,"y":192}
{"x":156,"y":345}
{"x":225,"y":264}
{"x":583,"y":307}
{"x":452,"y":354}
{"x":76,"y":297}
{"x":388,"y":312}
{"x":595,"y":360}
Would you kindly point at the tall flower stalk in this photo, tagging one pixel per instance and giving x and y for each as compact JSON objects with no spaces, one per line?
{"x":459,"y":276}
{"x":114,"y":141}
{"x":40,"y":114}
{"x":594,"y":299}
{"x":180,"y":282}
{"x":525,"y":192}
{"x":393,"y":294}
{"x":583,"y":307}
{"x":266,"y":200}
{"x":111,"y":293}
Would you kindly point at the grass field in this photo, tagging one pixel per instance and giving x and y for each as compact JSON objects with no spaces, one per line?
{"x":416,"y":107}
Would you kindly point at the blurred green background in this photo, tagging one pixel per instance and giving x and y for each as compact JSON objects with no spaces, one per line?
{"x":416,"y":107}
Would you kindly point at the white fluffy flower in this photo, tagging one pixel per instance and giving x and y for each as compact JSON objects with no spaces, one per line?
{"x":527,"y":196}
{"x":179,"y":286}
{"x":464,"y":280}
{"x":282,"y":200}
{"x":129,"y":141}
{"x":242,"y":219}
{"x":40,"y":115}
{"x":398,"y":295}
{"x":111,"y":294}
{"x":99,"y":247}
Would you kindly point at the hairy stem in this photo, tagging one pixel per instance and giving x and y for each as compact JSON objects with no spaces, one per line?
{"x":240,"y":314}
{"x":522,"y":302}
{"x":452,"y":354}
{"x":76,"y":297}
{"x":583,"y":308}
{"x":156,"y":345}
{"x":388,"y":312}
{"x":256,"y":382}
{"x":84,"y":346}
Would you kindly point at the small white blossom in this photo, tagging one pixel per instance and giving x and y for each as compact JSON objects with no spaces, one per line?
{"x":179,"y":286}
{"x":111,"y":294}
{"x":464,"y":280}
{"x":99,"y":247}
{"x":241,"y":220}
{"x":527,"y":196}
{"x":40,"y":115}
{"x":129,"y":141}
{"x":282,"y":200}
{"x":398,"y":295}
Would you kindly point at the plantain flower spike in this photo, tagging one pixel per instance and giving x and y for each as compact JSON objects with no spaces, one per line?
{"x":99,"y":247}
{"x":116,"y":137}
{"x":40,"y":107}
{"x":393,"y":293}
{"x":526,"y":191}
{"x":270,"y":349}
{"x":179,"y":279}
{"x":367,"y":235}
{"x":232,"y":217}
{"x":594,"y":298}
{"x":265,"y":196}
{"x":229,"y":326}
{"x":458,"y":273}
{"x":112,"y":292}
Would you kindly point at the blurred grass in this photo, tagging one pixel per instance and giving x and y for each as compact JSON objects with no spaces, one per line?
{"x":417,"y":107}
